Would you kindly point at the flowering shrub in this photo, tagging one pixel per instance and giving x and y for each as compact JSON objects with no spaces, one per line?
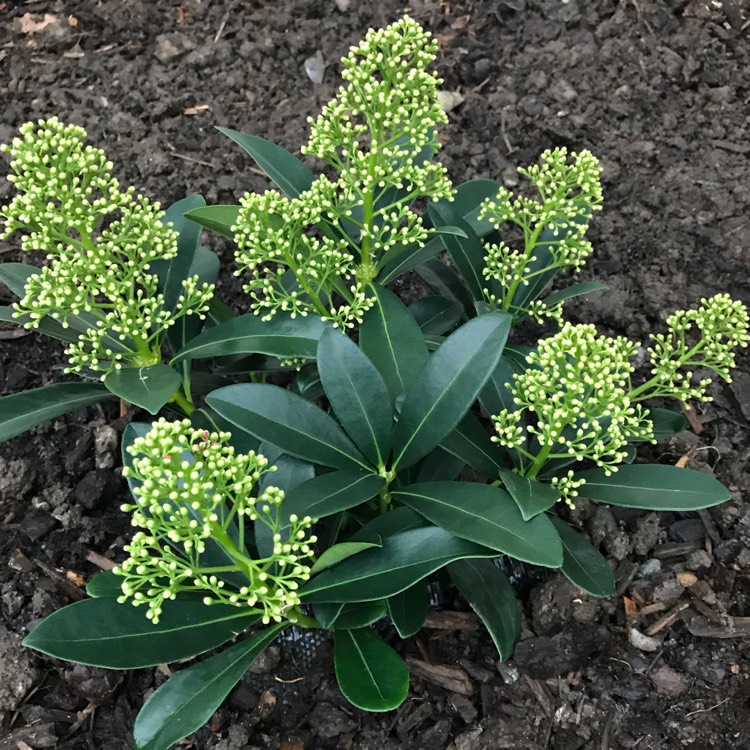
{"x":331,"y":503}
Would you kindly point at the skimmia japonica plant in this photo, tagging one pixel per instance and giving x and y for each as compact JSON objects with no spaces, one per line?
{"x":436,"y":442}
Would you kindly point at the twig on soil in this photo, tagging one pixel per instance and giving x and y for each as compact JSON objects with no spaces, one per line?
{"x":668,"y":619}
{"x":193,"y":160}
{"x":100,"y":561}
{"x":706,"y":710}
{"x":223,"y":23}
{"x":15,"y":333}
{"x":504,"y":134}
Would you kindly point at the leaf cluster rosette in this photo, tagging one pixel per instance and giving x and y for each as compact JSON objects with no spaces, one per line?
{"x":425,"y":443}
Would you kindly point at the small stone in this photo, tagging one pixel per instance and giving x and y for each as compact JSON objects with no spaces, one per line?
{"x":704,"y":670}
{"x":686,"y":579}
{"x":643,"y":642}
{"x":329,"y":721}
{"x":698,"y":560}
{"x":647,"y":533}
{"x":546,"y":657}
{"x":449,"y":100}
{"x":170,"y":46}
{"x":649,"y":568}
{"x":315,"y":67}
{"x":267,"y":661}
{"x":36,"y":525}
{"x":343,"y":5}
{"x":105,"y":446}
{"x":17,"y":674}
{"x":688,"y":530}
{"x":669,"y":682}
{"x":563,"y":91}
{"x":91,"y":489}
{"x":469,"y":740}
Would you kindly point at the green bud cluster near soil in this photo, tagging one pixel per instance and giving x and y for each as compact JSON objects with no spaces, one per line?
{"x":410,"y":440}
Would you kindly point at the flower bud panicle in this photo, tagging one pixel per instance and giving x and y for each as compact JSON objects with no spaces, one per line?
{"x":193,"y":495}
{"x":101,"y":241}
{"x":379,"y":133}
{"x":553,"y":225}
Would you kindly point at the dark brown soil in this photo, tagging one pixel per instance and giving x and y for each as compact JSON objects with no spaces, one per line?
{"x":659,"y":90}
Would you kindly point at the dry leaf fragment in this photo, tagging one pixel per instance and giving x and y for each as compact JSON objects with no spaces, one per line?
{"x":33,"y":23}
{"x":686,"y":579}
{"x":196,"y":110}
{"x":76,"y":579}
{"x":72,"y":21}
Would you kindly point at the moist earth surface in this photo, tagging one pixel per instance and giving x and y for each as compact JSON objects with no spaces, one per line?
{"x":658,"y":90}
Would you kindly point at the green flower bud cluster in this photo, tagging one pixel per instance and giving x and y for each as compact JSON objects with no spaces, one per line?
{"x":576,"y":387}
{"x":100,"y":242}
{"x":379,"y":133}
{"x":704,"y":338}
{"x":553,"y":227}
{"x":193,"y":495}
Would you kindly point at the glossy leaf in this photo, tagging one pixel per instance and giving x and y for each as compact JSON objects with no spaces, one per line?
{"x":148,"y":387}
{"x":387,"y":524}
{"x":468,"y":200}
{"x":447,"y":386}
{"x":285,"y":169}
{"x":466,"y":252}
{"x":339,"y":552}
{"x":575,"y":290}
{"x":288,"y":421}
{"x":219,"y":219}
{"x":485,"y":515}
{"x":436,"y":315}
{"x":15,"y":276}
{"x":654,"y":487}
{"x":391,"y":339}
{"x":22,"y":411}
{"x":330,"y":493}
{"x":408,"y":609}
{"x":207,"y":419}
{"x":489,"y":594}
{"x":349,"y":616}
{"x":472,"y":443}
{"x":445,"y":282}
{"x":104,"y":585}
{"x":358,"y":395}
{"x":438,"y":466}
{"x":281,"y":336}
{"x":102,"y":633}
{"x":371,"y":675}
{"x":532,"y":497}
{"x":667,"y":423}
{"x":405,"y":558}
{"x":47,"y":326}
{"x":410,"y":258}
{"x":188,"y":699}
{"x":583,"y":564}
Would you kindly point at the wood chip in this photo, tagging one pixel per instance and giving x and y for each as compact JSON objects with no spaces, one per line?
{"x":263,"y":709}
{"x":33,"y":23}
{"x":735,"y":627}
{"x":631,"y":608}
{"x":13,"y":333}
{"x":674,"y":549}
{"x":686,"y":579}
{"x":668,"y":619}
{"x":542,"y":694}
{"x":100,"y":561}
{"x":448,"y":620}
{"x":196,"y":110}
{"x":448,"y":677}
{"x":76,"y":579}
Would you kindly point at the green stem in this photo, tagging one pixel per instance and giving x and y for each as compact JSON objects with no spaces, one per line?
{"x":301,"y":620}
{"x":184,"y":404}
{"x":529,"y":249}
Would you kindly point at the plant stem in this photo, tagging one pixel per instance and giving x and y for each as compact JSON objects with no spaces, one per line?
{"x":185,"y":404}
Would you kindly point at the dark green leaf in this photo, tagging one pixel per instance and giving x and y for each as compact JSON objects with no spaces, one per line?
{"x":330,"y":493}
{"x":102,"y":633}
{"x":444,"y":281}
{"x":207,"y":419}
{"x":575,"y":290}
{"x":334,"y":555}
{"x":485,"y":515}
{"x":490,"y":595}
{"x":219,"y":219}
{"x":22,"y":411}
{"x":388,"y":524}
{"x":438,"y":466}
{"x":436,"y":315}
{"x":188,"y":699}
{"x":47,"y":325}
{"x":471,"y":442}
{"x":285,"y":169}
{"x":532,"y":497}
{"x":281,"y":336}
{"x":466,"y":252}
{"x":405,"y":558}
{"x":371,"y":675}
{"x":408,"y":609}
{"x":147,"y":387}
{"x":349,"y":616}
{"x":206,"y":266}
{"x":654,"y":487}
{"x":105,"y":585}
{"x":468,"y":200}
{"x":411,"y":257}
{"x":288,"y":421}
{"x":358,"y":395}
{"x":666,"y":423}
{"x":447,"y":386}
{"x":583,"y":564}
{"x":15,"y":276}
{"x":392,"y":340}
